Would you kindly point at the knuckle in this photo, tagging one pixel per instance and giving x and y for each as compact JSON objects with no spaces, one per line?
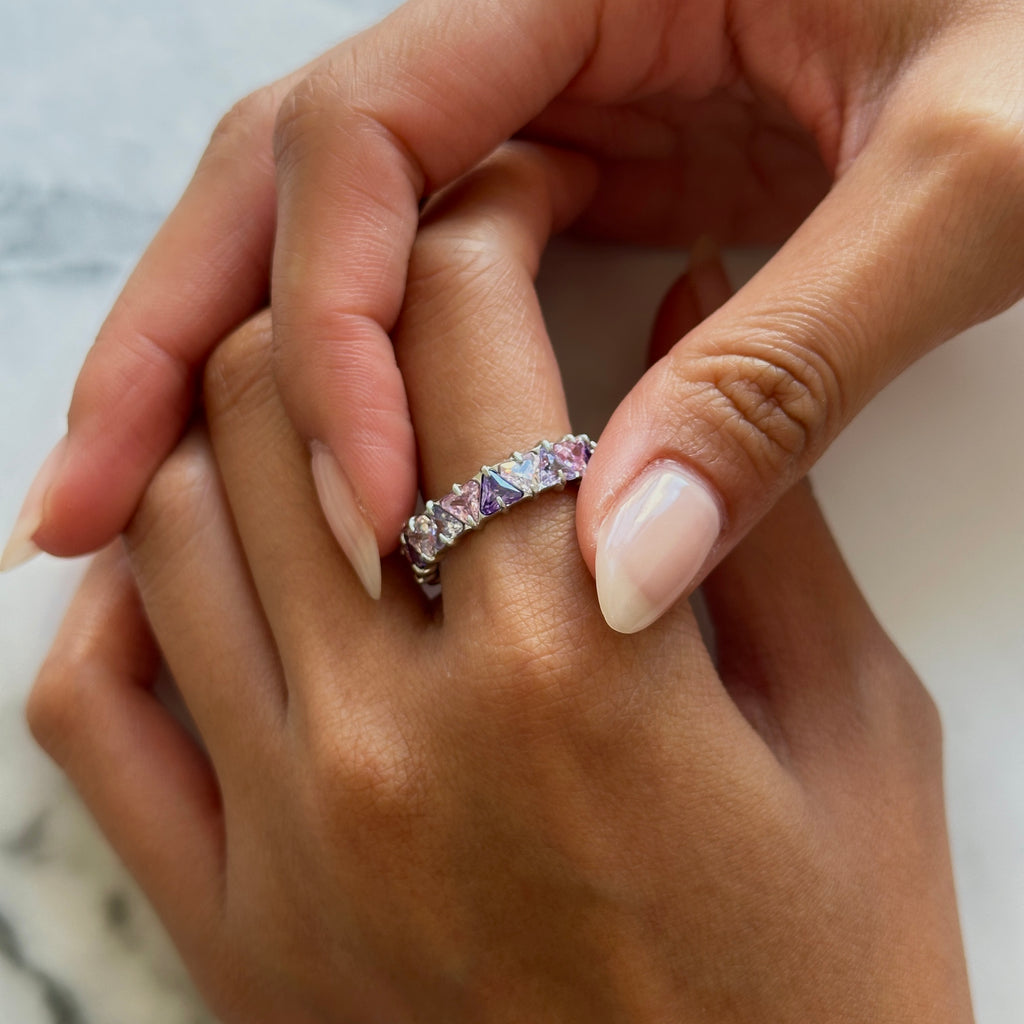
{"x":452,"y":275}
{"x":57,"y":704}
{"x":776,"y":402}
{"x":366,"y":769}
{"x":301,"y":113}
{"x":239,"y":365}
{"x":246,"y":127}
{"x":172,"y":504}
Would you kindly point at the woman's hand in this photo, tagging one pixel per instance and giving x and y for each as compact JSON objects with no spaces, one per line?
{"x":731,"y":118}
{"x":496,"y":809}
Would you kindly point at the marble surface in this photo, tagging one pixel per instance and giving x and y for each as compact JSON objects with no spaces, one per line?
{"x":104,"y":107}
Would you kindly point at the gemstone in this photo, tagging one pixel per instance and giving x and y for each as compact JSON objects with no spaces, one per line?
{"x":421,"y":536}
{"x":522,"y":473}
{"x":464,"y":506}
{"x":547,"y":468}
{"x":448,"y":527}
{"x":572,"y":457}
{"x":496,"y":493}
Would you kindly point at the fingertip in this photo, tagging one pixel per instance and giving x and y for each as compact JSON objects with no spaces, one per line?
{"x":22,"y":544}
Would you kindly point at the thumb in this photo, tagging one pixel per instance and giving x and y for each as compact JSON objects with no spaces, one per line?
{"x":907,"y":249}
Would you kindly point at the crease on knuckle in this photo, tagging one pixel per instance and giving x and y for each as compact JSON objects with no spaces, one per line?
{"x":776,"y":400}
{"x":302,"y":109}
{"x":451,"y":274}
{"x":174,"y":505}
{"x":239,"y":370}
{"x":245,"y":128}
{"x":368,"y":777}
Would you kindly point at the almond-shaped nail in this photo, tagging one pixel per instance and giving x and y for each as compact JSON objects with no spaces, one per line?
{"x":345,"y":518}
{"x":653,"y":544}
{"x":20,"y":547}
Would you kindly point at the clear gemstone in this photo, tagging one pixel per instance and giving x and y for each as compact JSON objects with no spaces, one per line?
{"x":421,"y":536}
{"x":448,"y":527}
{"x":464,"y":506}
{"x":522,"y":473}
{"x":496,"y":492}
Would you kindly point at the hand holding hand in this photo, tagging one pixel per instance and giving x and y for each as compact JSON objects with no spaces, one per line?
{"x":496,"y":809}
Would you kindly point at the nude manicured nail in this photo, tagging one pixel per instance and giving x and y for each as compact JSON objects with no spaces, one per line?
{"x":20,"y":546}
{"x":346,"y":520}
{"x":651,"y":547}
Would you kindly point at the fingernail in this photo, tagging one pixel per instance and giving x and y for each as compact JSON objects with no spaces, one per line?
{"x":708,"y":280}
{"x":20,"y":547}
{"x":651,"y":547}
{"x":346,"y":520}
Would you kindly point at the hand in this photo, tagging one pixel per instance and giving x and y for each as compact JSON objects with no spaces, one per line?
{"x":498,"y":810}
{"x":732,"y":118}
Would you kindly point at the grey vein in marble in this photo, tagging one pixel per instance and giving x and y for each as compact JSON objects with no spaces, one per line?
{"x":60,"y":230}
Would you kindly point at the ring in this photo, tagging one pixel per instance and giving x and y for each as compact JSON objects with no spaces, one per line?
{"x":548,"y":466}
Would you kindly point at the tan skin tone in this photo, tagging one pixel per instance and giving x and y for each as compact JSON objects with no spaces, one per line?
{"x":734,"y":117}
{"x":494,"y":808}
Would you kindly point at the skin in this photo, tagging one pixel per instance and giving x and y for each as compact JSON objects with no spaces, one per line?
{"x":490,"y":807}
{"x":882,"y":139}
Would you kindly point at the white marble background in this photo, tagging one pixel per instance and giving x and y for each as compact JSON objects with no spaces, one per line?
{"x":104,"y":107}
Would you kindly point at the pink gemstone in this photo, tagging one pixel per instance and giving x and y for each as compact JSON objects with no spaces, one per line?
{"x":421,"y":536}
{"x":572,"y":457}
{"x":465,"y":506}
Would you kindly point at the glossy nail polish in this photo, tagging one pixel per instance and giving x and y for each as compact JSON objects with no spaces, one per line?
{"x":348,"y":524}
{"x":652,"y":545}
{"x":20,"y":547}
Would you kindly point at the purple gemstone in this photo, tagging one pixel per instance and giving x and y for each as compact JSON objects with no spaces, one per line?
{"x":464,"y":506}
{"x":421,"y":536}
{"x":496,"y":493}
{"x":522,"y":473}
{"x":448,"y":527}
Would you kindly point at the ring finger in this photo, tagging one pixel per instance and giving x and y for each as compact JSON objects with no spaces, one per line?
{"x":471,"y":320}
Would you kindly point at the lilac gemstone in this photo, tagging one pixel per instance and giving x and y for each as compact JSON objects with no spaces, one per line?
{"x":464,"y":506}
{"x":421,"y":536}
{"x":496,"y":493}
{"x":547,"y":468}
{"x":448,"y":527}
{"x":522,"y":473}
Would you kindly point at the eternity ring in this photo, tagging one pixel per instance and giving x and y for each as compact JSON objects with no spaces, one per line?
{"x":548,"y":466}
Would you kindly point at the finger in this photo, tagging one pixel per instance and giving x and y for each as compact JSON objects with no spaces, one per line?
{"x":797,"y":646}
{"x":206,"y":270}
{"x":400,"y":112}
{"x":203,"y":609}
{"x":483,"y":380}
{"x":142,"y":776}
{"x":796,"y":639}
{"x":310,"y":595}
{"x":744,"y":404}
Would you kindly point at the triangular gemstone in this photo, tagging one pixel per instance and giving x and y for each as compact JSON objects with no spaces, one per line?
{"x":547,"y":468}
{"x":496,"y":493}
{"x":572,"y":457}
{"x":464,"y":506}
{"x":522,"y":473}
{"x":448,"y":527}
{"x":421,"y":536}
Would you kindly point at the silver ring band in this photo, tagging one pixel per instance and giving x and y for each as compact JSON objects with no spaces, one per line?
{"x":548,"y":466}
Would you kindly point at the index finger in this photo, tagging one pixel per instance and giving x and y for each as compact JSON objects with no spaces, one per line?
{"x":395,"y":112}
